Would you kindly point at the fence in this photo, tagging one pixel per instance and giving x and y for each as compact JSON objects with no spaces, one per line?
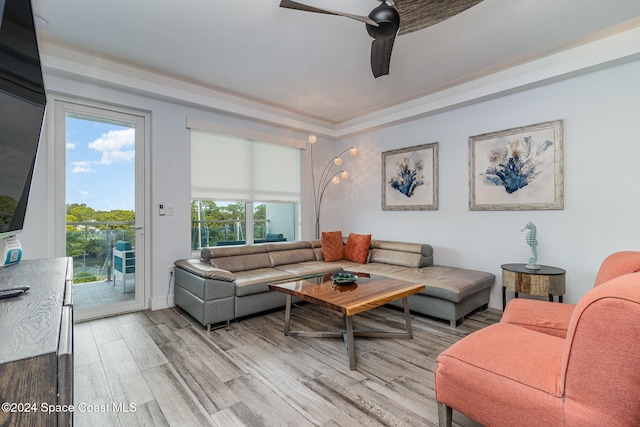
{"x":206,"y":233}
{"x":90,"y":244}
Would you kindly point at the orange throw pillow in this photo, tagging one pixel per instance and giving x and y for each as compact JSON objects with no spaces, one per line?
{"x":357,"y":248}
{"x":332,"y":246}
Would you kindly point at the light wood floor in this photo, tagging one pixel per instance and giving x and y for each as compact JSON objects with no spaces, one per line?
{"x":250,"y":374}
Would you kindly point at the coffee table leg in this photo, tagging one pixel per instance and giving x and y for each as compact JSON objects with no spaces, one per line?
{"x":287,"y":314}
{"x":407,"y":317}
{"x":351,"y":345}
{"x":349,"y":335}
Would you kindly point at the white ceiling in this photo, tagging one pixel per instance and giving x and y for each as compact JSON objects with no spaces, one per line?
{"x":318,"y":65}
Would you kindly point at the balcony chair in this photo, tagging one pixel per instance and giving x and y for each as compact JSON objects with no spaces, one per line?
{"x":507,"y":374}
{"x":124,"y":263}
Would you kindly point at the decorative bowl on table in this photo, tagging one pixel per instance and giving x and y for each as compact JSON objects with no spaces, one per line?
{"x":344,"y":278}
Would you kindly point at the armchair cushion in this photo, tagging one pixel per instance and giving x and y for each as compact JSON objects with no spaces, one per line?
{"x":502,"y":375}
{"x":541,"y":316}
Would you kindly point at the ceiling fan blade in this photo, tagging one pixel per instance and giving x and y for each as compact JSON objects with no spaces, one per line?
{"x":299,"y":6}
{"x":418,"y":14}
{"x":381,"y":55}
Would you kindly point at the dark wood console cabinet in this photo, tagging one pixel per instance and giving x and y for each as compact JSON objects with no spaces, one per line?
{"x":36,"y":344}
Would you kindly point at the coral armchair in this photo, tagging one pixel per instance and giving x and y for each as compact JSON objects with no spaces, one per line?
{"x":552,"y":318}
{"x":507,"y":375}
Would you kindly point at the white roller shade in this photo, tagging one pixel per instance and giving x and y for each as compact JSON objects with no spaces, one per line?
{"x":230,"y":168}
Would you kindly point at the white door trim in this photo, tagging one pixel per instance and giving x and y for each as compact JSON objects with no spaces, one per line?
{"x":56,"y":192}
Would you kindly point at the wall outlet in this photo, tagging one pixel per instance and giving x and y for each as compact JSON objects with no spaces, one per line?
{"x":171,"y":270}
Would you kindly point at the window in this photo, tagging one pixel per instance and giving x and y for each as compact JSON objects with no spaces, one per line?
{"x":224,"y":223}
{"x":242,"y":191}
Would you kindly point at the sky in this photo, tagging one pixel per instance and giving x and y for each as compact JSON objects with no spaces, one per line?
{"x":100,"y":164}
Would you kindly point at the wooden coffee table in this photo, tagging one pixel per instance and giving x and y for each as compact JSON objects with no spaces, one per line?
{"x":370,"y":291}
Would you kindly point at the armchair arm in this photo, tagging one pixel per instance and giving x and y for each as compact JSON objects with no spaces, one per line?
{"x":601,"y":362}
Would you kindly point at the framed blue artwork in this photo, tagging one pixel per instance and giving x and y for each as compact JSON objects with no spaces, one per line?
{"x":517,"y":169}
{"x":410,"y":178}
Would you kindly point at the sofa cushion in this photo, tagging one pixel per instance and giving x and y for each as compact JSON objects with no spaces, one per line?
{"x":216,"y":252}
{"x":405,"y":259}
{"x":332,"y":246}
{"x":387,"y":270}
{"x":451,"y":283}
{"x":288,"y":246}
{"x":290,"y":252}
{"x":418,"y":248}
{"x":448,"y":283}
{"x":425,"y":251}
{"x":242,"y":262}
{"x":256,"y":281}
{"x":308,"y":268}
{"x":291,"y":257}
{"x":357,"y":248}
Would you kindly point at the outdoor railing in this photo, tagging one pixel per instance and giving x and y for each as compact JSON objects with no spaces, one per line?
{"x":91,"y":243}
{"x":206,"y":233}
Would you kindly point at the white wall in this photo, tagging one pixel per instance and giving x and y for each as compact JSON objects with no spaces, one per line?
{"x":601,"y":181}
{"x":601,"y":148}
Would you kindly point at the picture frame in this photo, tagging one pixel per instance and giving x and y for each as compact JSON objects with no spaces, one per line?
{"x":517,"y":169}
{"x":410,"y":178}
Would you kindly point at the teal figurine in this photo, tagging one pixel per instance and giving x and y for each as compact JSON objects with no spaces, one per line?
{"x":533,"y":243}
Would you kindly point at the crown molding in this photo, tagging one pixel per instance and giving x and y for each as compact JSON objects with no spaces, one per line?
{"x":610,"y":51}
{"x":62,"y":61}
{"x":607,"y":52}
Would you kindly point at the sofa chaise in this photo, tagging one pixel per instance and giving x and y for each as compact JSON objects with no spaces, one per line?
{"x":231,"y":282}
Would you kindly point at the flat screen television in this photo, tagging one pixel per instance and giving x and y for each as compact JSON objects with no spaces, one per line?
{"x":22,"y":106}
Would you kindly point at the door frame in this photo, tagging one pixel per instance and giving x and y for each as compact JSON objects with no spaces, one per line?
{"x":57,"y":193}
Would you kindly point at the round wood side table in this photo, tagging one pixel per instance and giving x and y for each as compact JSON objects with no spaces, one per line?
{"x":545,"y":281}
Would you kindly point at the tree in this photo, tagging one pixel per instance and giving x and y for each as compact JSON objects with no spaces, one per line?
{"x":90,"y":239}
{"x":127,"y":218}
{"x":7,"y":206}
{"x":217,"y":223}
{"x":81,"y":211}
{"x":260,"y":212}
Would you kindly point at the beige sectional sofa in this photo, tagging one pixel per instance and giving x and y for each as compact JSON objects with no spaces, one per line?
{"x":230,"y":282}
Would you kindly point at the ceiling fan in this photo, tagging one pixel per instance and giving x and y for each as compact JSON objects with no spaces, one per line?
{"x":391,"y":18}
